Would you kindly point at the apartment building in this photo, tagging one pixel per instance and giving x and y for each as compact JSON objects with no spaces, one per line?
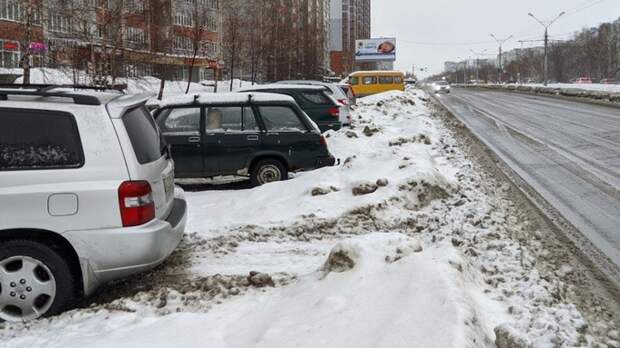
{"x":350,"y":21}
{"x":113,"y":37}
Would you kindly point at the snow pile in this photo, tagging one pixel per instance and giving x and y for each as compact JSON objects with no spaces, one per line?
{"x":371,"y":172}
{"x":377,"y":290}
{"x":394,"y":294}
{"x":586,"y":86}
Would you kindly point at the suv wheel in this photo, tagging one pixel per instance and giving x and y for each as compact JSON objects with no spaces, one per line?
{"x":268,"y":170}
{"x":34,"y":281}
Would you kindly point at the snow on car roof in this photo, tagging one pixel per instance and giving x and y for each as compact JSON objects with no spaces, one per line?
{"x":223,"y":98}
{"x":280,"y":86}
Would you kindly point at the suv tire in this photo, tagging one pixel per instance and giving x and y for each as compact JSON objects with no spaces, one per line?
{"x":35,"y":281}
{"x":268,"y":170}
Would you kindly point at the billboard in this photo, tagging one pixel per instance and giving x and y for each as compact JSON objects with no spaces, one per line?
{"x":375,"y":49}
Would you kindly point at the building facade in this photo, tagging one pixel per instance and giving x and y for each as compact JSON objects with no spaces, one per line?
{"x":120,"y":38}
{"x":350,"y":21}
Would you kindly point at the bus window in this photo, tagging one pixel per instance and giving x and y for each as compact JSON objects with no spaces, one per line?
{"x":386,"y":80}
{"x":354,"y":81}
{"x":398,"y":80}
{"x":370,"y":80}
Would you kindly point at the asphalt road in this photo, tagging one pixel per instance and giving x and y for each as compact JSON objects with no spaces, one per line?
{"x":569,"y":152}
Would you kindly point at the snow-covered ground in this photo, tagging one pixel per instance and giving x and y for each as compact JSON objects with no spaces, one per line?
{"x":405,"y":244}
{"x":587,"y":87}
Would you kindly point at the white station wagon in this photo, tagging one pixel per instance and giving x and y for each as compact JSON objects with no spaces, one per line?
{"x":87,"y":195}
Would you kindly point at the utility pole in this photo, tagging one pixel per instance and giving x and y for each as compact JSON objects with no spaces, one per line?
{"x":500,"y":69}
{"x":478,"y":55}
{"x":546,"y":25}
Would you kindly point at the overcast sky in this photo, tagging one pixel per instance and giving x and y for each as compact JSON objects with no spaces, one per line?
{"x":430,"y":32}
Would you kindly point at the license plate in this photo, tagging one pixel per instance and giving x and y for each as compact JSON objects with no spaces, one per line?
{"x":169,"y":185}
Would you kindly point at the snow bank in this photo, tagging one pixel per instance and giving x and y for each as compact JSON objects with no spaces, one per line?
{"x":386,"y":147}
{"x":394,"y":295}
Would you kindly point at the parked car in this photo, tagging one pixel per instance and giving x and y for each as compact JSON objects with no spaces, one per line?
{"x":609,"y":82}
{"x":440,"y":86}
{"x":583,"y":80}
{"x":87,"y":196}
{"x":349,"y":92}
{"x":334,"y":91}
{"x":261,"y":136}
{"x":315,"y":101}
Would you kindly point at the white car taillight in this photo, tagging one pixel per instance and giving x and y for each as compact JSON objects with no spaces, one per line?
{"x":136,"y":203}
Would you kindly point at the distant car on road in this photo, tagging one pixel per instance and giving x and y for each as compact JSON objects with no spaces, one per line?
{"x":261,"y":136}
{"x":609,"y":82}
{"x":583,"y":80}
{"x":315,"y":101}
{"x":440,"y":86}
{"x":87,"y":196}
{"x":333,"y":90}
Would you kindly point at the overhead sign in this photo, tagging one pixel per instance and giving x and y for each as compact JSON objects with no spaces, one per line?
{"x":375,"y":49}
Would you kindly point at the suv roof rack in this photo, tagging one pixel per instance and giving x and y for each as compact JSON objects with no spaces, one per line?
{"x":78,"y":99}
{"x":51,"y":86}
{"x":47,"y":90}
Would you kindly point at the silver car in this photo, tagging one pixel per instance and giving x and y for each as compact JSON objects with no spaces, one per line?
{"x":87,"y":195}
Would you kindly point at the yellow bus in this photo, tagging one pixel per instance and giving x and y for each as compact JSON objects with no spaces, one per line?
{"x":366,"y":83}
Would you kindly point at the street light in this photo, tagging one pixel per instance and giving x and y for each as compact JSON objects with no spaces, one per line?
{"x":500,"y":43}
{"x":546,"y":25}
{"x":478,"y":55}
{"x":464,"y":71}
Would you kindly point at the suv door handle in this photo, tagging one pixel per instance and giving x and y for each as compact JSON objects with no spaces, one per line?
{"x":193,"y":139}
{"x":252,"y":137}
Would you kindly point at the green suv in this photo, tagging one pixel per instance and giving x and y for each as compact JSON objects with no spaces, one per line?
{"x":261,"y":136}
{"x":314,"y":100}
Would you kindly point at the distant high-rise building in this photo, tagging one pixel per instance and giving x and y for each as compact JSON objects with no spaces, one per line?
{"x":349,"y":21}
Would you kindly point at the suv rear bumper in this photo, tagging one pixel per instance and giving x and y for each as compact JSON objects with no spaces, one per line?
{"x":325,"y":126}
{"x":325,"y":162}
{"x":110,"y":254}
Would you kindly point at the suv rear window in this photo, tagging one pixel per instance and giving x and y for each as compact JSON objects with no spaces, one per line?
{"x":145,"y":139}
{"x":39,"y":139}
{"x":316,"y":98}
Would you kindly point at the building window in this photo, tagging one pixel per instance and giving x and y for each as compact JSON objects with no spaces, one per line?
{"x":183,"y":18}
{"x":10,"y":10}
{"x":59,"y":23}
{"x":9,"y":54}
{"x":135,"y":35}
{"x":183,"y":43}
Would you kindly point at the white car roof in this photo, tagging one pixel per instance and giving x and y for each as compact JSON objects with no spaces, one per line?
{"x":223,"y":98}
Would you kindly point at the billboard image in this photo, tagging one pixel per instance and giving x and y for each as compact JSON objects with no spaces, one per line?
{"x":375,"y":49}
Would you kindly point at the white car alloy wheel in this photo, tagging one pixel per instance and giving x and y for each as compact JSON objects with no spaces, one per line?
{"x":27,"y":288}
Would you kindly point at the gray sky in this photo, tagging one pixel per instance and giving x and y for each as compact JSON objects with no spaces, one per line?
{"x":430,"y":32}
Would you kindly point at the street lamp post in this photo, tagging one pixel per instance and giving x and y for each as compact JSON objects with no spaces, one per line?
{"x":478,"y":55}
{"x":500,"y":43}
{"x":546,"y":25}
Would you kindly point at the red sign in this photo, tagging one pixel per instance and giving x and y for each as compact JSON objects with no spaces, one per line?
{"x":11,"y":46}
